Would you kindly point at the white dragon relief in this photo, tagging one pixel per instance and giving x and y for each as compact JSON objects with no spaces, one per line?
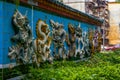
{"x":22,"y":51}
{"x":58,"y":37}
{"x":79,"y":38}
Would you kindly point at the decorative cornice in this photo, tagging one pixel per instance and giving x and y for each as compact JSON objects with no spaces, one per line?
{"x":65,"y":11}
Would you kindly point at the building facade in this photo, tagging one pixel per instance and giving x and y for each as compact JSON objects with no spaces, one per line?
{"x":114,"y":34}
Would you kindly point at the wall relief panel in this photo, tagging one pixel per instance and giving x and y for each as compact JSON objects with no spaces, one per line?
{"x":26,"y":49}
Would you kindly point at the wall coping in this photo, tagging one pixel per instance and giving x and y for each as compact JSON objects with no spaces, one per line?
{"x":61,"y":9}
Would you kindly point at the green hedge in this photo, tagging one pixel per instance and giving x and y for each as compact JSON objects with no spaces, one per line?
{"x":103,"y":66}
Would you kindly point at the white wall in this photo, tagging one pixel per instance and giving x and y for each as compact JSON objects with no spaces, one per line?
{"x":114,"y":34}
{"x":114,"y":14}
{"x":76,"y":4}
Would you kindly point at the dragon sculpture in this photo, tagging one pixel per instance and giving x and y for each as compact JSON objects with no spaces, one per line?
{"x":23,"y":50}
{"x":70,"y":39}
{"x":91,"y":45}
{"x":58,"y":36}
{"x":99,"y":42}
{"x":95,"y":40}
{"x":86,"y":44}
{"x":79,"y":38}
{"x":42,"y":42}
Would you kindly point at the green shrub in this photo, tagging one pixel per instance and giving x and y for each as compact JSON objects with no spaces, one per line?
{"x":103,"y":66}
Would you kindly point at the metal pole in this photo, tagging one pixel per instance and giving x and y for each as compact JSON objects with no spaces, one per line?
{"x":32,"y":19}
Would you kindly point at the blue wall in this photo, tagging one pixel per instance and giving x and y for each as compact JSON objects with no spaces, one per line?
{"x":1,"y":32}
{"x":9,"y":32}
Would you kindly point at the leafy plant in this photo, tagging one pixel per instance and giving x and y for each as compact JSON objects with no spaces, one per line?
{"x":103,"y":66}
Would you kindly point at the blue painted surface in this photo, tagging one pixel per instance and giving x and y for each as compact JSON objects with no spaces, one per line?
{"x":1,"y":49}
{"x":1,"y":9}
{"x":1,"y":5}
{"x":9,"y":32}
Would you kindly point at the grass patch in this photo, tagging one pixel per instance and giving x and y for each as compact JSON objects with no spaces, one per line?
{"x":103,"y":66}
{"x":16,"y":71}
